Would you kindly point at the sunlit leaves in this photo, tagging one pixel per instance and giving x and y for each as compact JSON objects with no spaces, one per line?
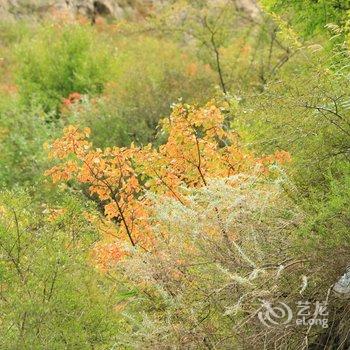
{"x":198,"y":147}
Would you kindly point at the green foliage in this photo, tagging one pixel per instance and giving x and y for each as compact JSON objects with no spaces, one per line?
{"x":23,"y":133}
{"x":281,"y":91}
{"x":306,"y":112}
{"x":12,"y":32}
{"x":105,"y":117}
{"x":143,"y":90}
{"x":51,"y":298}
{"x":59,"y":60}
{"x":311,"y":16}
{"x":330,"y":216}
{"x":208,"y":26}
{"x":245,"y":50}
{"x":305,"y":109}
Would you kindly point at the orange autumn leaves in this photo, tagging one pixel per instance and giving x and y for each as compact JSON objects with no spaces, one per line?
{"x":109,"y":173}
{"x":198,"y":147}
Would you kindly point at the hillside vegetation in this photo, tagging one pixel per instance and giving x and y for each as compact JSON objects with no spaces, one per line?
{"x":177,"y":179}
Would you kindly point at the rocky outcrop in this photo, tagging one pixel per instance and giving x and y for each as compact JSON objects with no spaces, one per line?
{"x":15,"y":9}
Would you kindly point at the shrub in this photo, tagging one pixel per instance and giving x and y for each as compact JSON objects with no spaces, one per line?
{"x":59,"y":60}
{"x":305,"y":111}
{"x":51,"y":297}
{"x":311,"y":17}
{"x":144,"y":90}
{"x":22,"y":135}
{"x":197,"y":148}
{"x":13,"y":32}
{"x":214,"y":260}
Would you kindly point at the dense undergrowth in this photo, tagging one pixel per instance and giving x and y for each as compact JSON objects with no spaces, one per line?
{"x":200,"y":160}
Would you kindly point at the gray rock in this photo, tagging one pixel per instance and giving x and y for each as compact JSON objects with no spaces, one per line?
{"x":342,"y":286}
{"x":14,"y":9}
{"x":250,"y":7}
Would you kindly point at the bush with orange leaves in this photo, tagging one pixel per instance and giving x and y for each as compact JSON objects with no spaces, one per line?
{"x":198,"y":148}
{"x":198,"y":227}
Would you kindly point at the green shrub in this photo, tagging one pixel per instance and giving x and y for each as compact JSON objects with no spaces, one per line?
{"x":23,"y":133}
{"x":150,"y":75}
{"x":305,"y":112}
{"x":58,"y":60}
{"x":13,"y":32}
{"x":311,"y":16}
{"x":51,"y":297}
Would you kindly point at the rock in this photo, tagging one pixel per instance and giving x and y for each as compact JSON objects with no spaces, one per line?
{"x":14,"y":9}
{"x":342,"y":286}
{"x":250,"y":7}
{"x":117,"y":9}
